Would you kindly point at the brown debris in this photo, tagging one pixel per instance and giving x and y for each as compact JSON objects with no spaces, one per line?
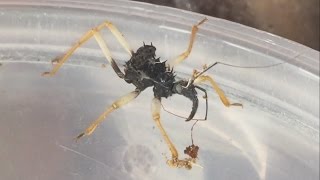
{"x":192,"y":151}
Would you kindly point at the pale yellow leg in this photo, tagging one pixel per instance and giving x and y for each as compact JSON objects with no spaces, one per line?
{"x":117,"y":104}
{"x":224,"y":99}
{"x":174,"y":161}
{"x":185,"y":54}
{"x":93,"y":32}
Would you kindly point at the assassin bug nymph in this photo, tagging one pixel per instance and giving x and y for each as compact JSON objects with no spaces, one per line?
{"x":144,"y":70}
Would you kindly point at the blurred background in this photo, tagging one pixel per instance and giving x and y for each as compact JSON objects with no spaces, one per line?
{"x":296,"y":20}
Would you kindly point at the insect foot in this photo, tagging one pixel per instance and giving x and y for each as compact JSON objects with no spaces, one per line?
{"x":55,"y":60}
{"x":177,"y":163}
{"x":186,"y":163}
{"x":88,"y":131}
{"x":47,"y":74}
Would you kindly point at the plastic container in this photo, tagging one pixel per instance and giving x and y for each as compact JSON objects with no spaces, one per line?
{"x":275,"y":135}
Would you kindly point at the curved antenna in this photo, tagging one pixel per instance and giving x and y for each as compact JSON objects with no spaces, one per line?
{"x":196,"y":120}
{"x":245,"y":67}
{"x":180,"y":116}
{"x":192,"y":131}
{"x":191,"y":80}
{"x":235,"y":66}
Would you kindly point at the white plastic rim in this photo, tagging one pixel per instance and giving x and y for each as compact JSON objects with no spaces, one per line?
{"x":272,"y":45}
{"x":275,"y":135}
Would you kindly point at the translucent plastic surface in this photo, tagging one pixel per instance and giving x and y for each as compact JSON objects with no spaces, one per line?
{"x":275,"y":135}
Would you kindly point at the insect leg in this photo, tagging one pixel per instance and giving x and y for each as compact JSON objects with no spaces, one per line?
{"x":174,"y":161}
{"x":185,"y":54}
{"x":61,"y":60}
{"x":223,"y":98}
{"x":119,"y":36}
{"x":115,"y":105}
{"x":94,"y":32}
{"x":107,"y":54}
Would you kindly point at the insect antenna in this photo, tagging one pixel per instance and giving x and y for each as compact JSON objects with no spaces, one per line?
{"x":191,"y":80}
{"x":192,"y":131}
{"x":194,"y":119}
{"x":182,"y":117}
{"x":237,"y":66}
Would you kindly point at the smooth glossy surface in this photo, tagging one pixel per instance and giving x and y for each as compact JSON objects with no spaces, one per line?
{"x":275,"y":135}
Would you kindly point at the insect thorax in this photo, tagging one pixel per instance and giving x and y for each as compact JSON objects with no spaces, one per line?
{"x":145,"y":70}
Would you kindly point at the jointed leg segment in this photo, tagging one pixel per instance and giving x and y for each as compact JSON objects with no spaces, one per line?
{"x":156,"y":116}
{"x":185,"y":54}
{"x":94,"y":32}
{"x":117,"y":104}
{"x":174,"y":161}
{"x":223,"y":98}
